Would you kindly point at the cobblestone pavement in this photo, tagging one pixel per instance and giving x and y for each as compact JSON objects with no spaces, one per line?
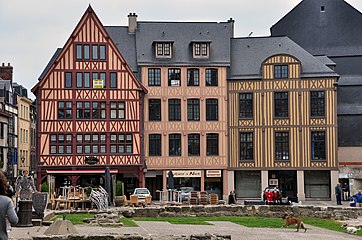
{"x":164,"y":228}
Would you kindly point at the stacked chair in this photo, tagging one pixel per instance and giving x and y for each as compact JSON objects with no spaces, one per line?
{"x":194,"y":198}
{"x":204,"y":198}
{"x":214,"y":199}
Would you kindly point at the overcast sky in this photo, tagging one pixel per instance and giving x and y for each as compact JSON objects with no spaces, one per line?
{"x":30,"y":31}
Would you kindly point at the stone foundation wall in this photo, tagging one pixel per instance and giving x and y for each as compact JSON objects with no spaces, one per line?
{"x":234,"y":210}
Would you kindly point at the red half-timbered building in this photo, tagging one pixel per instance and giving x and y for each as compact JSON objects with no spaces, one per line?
{"x":89,"y":107}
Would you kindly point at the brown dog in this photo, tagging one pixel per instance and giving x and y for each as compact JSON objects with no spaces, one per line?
{"x":293,"y":221}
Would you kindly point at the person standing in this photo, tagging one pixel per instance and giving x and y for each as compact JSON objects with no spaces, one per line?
{"x":232,"y":199}
{"x":338,"y":191}
{"x":345,"y":189}
{"x":7,"y":212}
{"x":359,"y":199}
{"x":25,"y":186}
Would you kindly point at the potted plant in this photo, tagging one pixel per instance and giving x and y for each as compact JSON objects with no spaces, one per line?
{"x":119,"y":199}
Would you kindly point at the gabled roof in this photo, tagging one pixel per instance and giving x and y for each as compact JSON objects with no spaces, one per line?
{"x":248,"y":54}
{"x":182,"y":34}
{"x":334,"y":31}
{"x":50,"y":63}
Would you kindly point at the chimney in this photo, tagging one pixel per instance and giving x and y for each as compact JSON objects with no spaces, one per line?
{"x":231,"y":21}
{"x":6,"y":72}
{"x":132,"y":22}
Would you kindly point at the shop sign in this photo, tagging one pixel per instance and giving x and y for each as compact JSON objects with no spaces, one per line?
{"x":91,"y":160}
{"x":213,"y":173}
{"x":186,"y":173}
{"x":97,"y":83}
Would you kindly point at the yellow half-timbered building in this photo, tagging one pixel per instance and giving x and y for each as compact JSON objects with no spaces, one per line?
{"x":282,"y":119}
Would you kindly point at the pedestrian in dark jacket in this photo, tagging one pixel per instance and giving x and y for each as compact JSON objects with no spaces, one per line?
{"x":7,"y":212}
{"x":338,"y":190}
{"x":232,"y":198}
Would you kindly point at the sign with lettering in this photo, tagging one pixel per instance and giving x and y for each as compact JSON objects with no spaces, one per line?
{"x":213,"y":173}
{"x":91,"y":160}
{"x":97,"y":83}
{"x":186,"y":173}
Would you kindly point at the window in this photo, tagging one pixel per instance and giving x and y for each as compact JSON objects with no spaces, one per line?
{"x":99,"y":80}
{"x":95,"y":52}
{"x":281,"y":104}
{"x":193,"y":110}
{"x":154,"y":77}
{"x":212,"y":110}
{"x":201,"y":50}
{"x":317,"y":104}
{"x":68,"y":79}
{"x":2,"y":130}
{"x":113,"y":80}
{"x":174,"y":77}
{"x":102,"y":52}
{"x":78,"y":49}
{"x":154,"y":109}
{"x":91,"y":143}
{"x":117,"y":110}
{"x":194,"y":144}
{"x":65,"y":110}
{"x":83,"y":80}
{"x":155,"y":145}
{"x":86,"y":80}
{"x":163,"y":49}
{"x":174,"y":147}
{"x":83,"y":110}
{"x":61,"y":144}
{"x":86,"y":52}
{"x":212,"y":144}
{"x":246,"y":105}
{"x":121,"y":143}
{"x":211,"y":77}
{"x":192,"y":77}
{"x":79,"y":80}
{"x":280,"y":71}
{"x":318,"y":145}
{"x":246,"y":146}
{"x":174,"y":110}
{"x":323,"y":8}
{"x":98,"y":110}
{"x":282,"y":146}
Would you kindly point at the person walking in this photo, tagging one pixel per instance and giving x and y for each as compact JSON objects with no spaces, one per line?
{"x":359,"y":199}
{"x":345,"y":189}
{"x":232,"y":198}
{"x":338,"y":190}
{"x":7,"y":212}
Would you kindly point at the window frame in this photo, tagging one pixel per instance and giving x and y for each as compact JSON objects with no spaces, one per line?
{"x":281,"y":71}
{"x":320,"y":149}
{"x":163,"y":49}
{"x":193,"y":144}
{"x":68,"y":80}
{"x":195,"y":73}
{"x":193,"y":109}
{"x":317,"y":104}
{"x":174,"y":109}
{"x":212,"y":144}
{"x":246,"y":148}
{"x":281,"y":108}
{"x":65,"y":144}
{"x":66,"y":108}
{"x":154,"y":145}
{"x":154,"y":109}
{"x":212,"y":109}
{"x":154,"y":77}
{"x":246,"y":105}
{"x":174,"y":142}
{"x":119,"y":143}
{"x":210,"y":79}
{"x":120,"y":109}
{"x":174,"y":74}
{"x":113,"y":80}
{"x":282,"y":146}
{"x":201,"y":50}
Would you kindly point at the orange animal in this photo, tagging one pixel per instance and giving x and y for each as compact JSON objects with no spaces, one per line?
{"x":293,"y":221}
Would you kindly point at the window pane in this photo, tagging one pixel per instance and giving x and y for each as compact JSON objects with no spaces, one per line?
{"x":79,"y":51}
{"x":95,"y":52}
{"x":194,"y":145}
{"x":174,"y":145}
{"x":211,"y":109}
{"x":246,"y":146}
{"x":281,"y":104}
{"x":174,"y":77}
{"x":87,"y":80}
{"x":102,"y":52}
{"x":154,"y":107}
{"x":211,"y":77}
{"x":192,"y":77}
{"x":79,"y":149}
{"x":79,"y":80}
{"x":155,"y":144}
{"x":154,"y":77}
{"x":113,"y":79}
{"x":245,"y":105}
{"x":86,"y":52}
{"x":212,"y":144}
{"x":68,"y":80}
{"x":174,"y":110}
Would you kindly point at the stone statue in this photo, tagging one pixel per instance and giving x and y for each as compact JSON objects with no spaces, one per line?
{"x":25,"y":186}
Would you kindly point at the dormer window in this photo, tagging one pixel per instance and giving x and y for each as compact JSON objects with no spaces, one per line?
{"x":163,"y":49}
{"x":201,"y":49}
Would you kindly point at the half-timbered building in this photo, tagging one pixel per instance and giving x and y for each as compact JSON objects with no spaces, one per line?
{"x":89,"y":106}
{"x":282,"y":119}
{"x":184,"y":67}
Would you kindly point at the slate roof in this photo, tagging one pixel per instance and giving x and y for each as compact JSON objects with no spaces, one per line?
{"x":126,"y":44}
{"x":247,"y":55}
{"x":326,"y":60}
{"x":323,"y":32}
{"x":50,"y":63}
{"x":182,"y":34}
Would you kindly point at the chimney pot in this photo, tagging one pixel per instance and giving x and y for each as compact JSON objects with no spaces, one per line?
{"x":3,"y":64}
{"x":8,"y":64}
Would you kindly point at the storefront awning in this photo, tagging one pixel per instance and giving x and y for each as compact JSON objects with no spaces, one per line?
{"x":79,"y":171}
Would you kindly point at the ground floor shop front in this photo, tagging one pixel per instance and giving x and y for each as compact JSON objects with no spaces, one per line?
{"x":211,"y":181}
{"x":297,"y":185}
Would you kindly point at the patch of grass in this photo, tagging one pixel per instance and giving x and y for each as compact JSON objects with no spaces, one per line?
{"x":128,"y":222}
{"x":329,"y":224}
{"x":74,"y":218}
{"x":177,"y":220}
